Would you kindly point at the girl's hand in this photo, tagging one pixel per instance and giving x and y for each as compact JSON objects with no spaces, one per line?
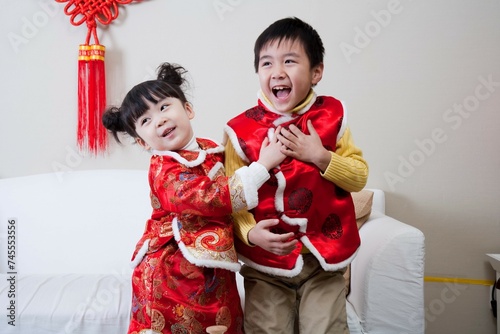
{"x":271,"y":151}
{"x":306,"y":148}
{"x":279,"y":244}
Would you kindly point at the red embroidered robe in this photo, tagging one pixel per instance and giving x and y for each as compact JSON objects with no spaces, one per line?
{"x":319,"y":213}
{"x":181,"y":282}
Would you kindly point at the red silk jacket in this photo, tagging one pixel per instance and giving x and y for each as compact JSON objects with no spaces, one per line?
{"x":191,"y":202}
{"x":319,"y":213}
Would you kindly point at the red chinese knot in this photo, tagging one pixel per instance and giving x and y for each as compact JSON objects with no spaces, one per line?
{"x":91,"y":134}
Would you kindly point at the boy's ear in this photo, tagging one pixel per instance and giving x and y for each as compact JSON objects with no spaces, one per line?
{"x":142,"y":143}
{"x":317,"y":73}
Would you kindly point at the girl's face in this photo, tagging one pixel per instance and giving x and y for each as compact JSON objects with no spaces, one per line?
{"x":285,"y":74}
{"x":166,"y":125}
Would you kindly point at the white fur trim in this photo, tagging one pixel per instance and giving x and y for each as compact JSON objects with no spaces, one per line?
{"x":270,"y":133}
{"x":234,"y":140}
{"x":283,"y":119}
{"x":327,"y":266}
{"x":252,"y":177}
{"x":278,"y":198}
{"x":218,"y":149}
{"x":218,"y":166}
{"x":140,"y":254}
{"x":258,"y":173}
{"x":300,"y":222}
{"x":275,"y":271}
{"x":201,"y":262}
{"x":249,"y":187}
{"x":198,"y":161}
{"x":175,"y":229}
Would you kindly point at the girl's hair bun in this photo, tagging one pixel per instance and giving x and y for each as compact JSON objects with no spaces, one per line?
{"x":112,"y":121}
{"x":171,"y":73}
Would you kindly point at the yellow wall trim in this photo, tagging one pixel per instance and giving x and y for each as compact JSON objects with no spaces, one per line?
{"x":459,"y":280}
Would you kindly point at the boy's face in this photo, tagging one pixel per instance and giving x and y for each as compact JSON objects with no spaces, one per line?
{"x":285,"y":74}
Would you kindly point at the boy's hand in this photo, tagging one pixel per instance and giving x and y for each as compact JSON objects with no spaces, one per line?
{"x":271,"y":151}
{"x":279,"y":244}
{"x":306,"y":148}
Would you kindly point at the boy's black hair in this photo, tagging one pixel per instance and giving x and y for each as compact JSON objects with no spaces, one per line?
{"x":292,"y":29}
{"x":168,"y":84}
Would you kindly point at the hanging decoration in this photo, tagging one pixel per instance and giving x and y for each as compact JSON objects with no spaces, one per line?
{"x":91,"y":134}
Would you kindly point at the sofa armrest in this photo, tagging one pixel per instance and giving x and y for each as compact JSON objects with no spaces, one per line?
{"x":378,"y":203}
{"x":387,"y":277}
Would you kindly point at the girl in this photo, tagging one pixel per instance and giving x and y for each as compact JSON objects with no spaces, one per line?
{"x":184,"y":278}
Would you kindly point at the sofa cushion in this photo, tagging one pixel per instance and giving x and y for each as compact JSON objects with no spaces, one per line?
{"x":72,"y":303}
{"x":363,"y":201}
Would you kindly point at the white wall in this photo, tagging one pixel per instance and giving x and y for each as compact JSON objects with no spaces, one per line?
{"x":421,"y":79}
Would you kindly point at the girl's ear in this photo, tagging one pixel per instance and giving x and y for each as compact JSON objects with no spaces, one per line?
{"x":142,"y":143}
{"x":189,"y":110}
{"x":317,"y":73}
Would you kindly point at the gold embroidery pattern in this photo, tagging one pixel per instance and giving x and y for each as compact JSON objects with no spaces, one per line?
{"x":213,"y":245}
{"x":238,"y":201}
{"x":157,"y":321}
{"x":155,"y":202}
{"x":147,"y":331}
{"x":223,"y":317}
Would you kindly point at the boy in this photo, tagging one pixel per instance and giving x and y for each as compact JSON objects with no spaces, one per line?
{"x":307,"y":235}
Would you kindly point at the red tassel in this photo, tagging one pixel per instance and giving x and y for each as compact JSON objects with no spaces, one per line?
{"x":97,"y":59}
{"x":83,"y":69}
{"x":91,"y":134}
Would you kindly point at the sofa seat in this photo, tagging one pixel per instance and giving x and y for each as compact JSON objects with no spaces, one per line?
{"x":76,"y":231}
{"x":71,"y":303}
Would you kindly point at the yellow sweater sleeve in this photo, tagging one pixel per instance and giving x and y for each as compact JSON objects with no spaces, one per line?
{"x":244,"y":221}
{"x":347,"y":168}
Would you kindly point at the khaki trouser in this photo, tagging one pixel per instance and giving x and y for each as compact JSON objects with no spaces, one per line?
{"x":311,"y":303}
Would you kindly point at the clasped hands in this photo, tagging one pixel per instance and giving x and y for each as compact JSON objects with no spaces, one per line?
{"x":304,"y":147}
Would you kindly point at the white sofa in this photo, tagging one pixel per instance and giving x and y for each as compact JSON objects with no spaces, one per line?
{"x":75,"y":233}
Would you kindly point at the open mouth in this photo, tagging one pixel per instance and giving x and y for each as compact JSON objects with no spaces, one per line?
{"x":167,"y":132}
{"x":281,"y":92}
